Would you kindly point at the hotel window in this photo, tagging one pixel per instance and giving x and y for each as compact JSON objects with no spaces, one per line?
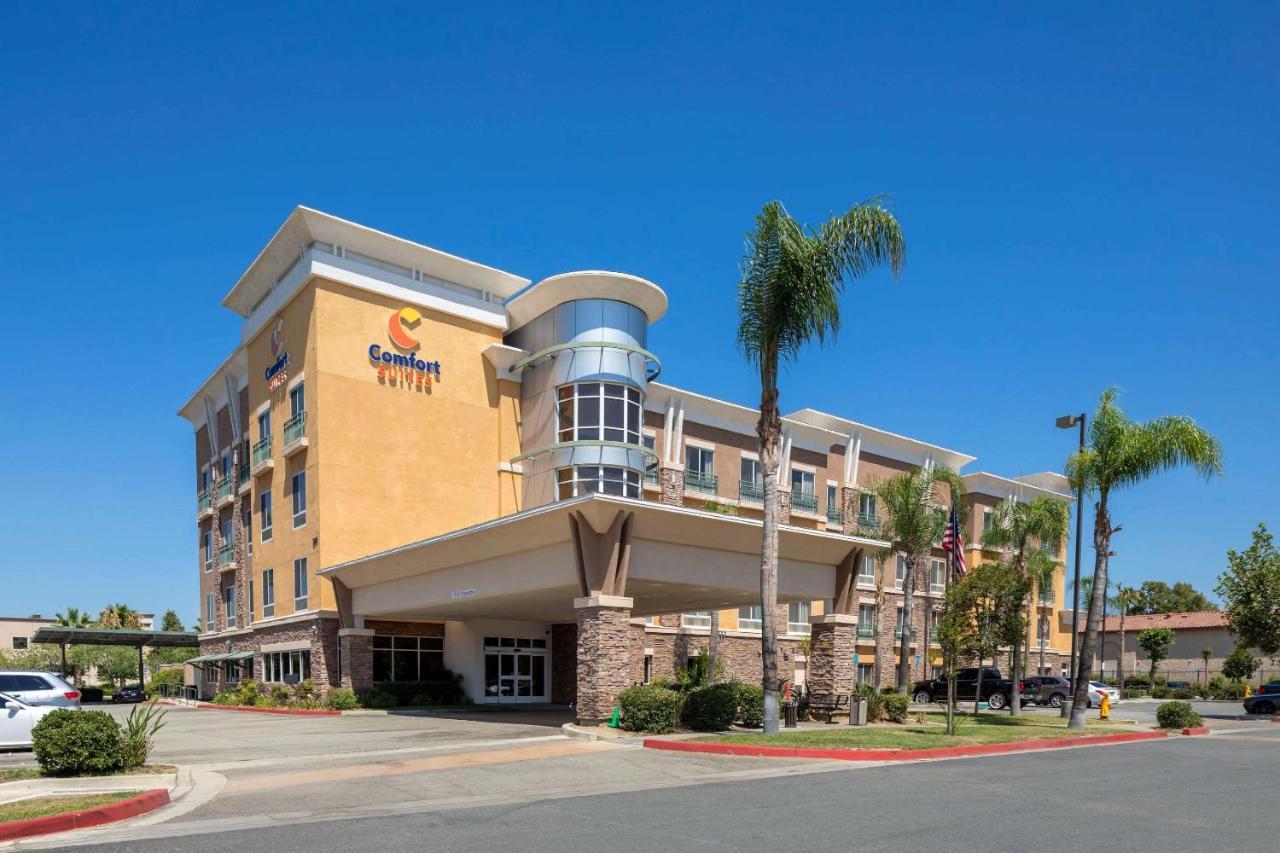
{"x":204,"y":479}
{"x":866,"y":504}
{"x":699,"y":469}
{"x":937,"y":575}
{"x":696,"y":619}
{"x":648,"y":669}
{"x":226,"y":463}
{"x":299,"y":487}
{"x":264,"y":515}
{"x":798,"y":617}
{"x":988,"y":520}
{"x":408,"y":658}
{"x":300,"y":583}
{"x":750,"y":479}
{"x":864,"y":673}
{"x":286,"y":667}
{"x":591,"y":411}
{"x":749,"y":618}
{"x":248,"y":617}
{"x":227,"y":539}
{"x":264,"y":424}
{"x":866,"y":621}
{"x":297,"y":401}
{"x":867,"y":570}
{"x":802,"y":482}
{"x":229,"y":605}
{"x":899,"y":571}
{"x":833,"y":501}
{"x":897,"y":624}
{"x":268,"y":593}
{"x":206,"y":549}
{"x":208,"y":611}
{"x":246,"y":518}
{"x":597,"y":479}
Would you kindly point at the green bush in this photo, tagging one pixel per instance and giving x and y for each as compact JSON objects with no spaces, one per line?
{"x":1160,"y":692}
{"x":649,"y":708}
{"x":1178,"y":715}
{"x":712,"y":708}
{"x":280,"y":695}
{"x":1183,"y":693}
{"x":888,"y":690}
{"x":70,"y":743}
{"x":1135,"y":694}
{"x":224,"y":697}
{"x":896,"y":707}
{"x":165,"y":678}
{"x":305,"y":691}
{"x":751,"y":705}
{"x":875,"y":702}
{"x":446,"y":690}
{"x":379,"y":698}
{"x":342,"y":699}
{"x":247,"y":692}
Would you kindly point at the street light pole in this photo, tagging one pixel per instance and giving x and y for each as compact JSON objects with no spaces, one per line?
{"x":1067,"y":422}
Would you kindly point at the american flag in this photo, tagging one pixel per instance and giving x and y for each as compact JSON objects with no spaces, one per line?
{"x":953,"y":543}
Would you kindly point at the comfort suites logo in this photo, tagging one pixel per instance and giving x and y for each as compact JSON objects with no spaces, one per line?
{"x":276,"y":373}
{"x":403,"y":368}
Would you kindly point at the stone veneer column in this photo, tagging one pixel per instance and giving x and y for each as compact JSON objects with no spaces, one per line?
{"x":604,"y":655}
{"x":849,"y":509}
{"x":832,"y":646}
{"x":671,"y":480}
{"x":356,"y":651}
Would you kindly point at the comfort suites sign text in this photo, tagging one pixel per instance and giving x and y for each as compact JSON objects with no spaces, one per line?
{"x":404,"y":368}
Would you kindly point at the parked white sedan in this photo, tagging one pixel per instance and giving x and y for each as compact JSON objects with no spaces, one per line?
{"x":17,"y":719}
{"x":1101,"y":688}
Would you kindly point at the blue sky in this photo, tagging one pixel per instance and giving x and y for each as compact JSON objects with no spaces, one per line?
{"x":1088,"y":197}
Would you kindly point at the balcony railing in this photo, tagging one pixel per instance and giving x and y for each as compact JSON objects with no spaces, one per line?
{"x":750,"y":490}
{"x":1046,"y":598}
{"x":651,"y":477}
{"x":868,"y":525}
{"x":261,"y":452}
{"x":804,"y":502}
{"x":242,"y":479}
{"x":204,"y":502}
{"x":222,"y":491}
{"x":226,"y":556}
{"x":898,"y":632}
{"x":696,"y":481}
{"x":295,"y":429}
{"x":866,"y":632}
{"x":835,"y":515}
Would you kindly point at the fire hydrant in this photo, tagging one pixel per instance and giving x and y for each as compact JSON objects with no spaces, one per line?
{"x":1248,"y":690}
{"x":1104,"y":709}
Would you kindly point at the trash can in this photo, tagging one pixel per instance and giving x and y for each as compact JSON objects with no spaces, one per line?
{"x":790,"y":714}
{"x":858,"y":711}
{"x":1065,"y":709}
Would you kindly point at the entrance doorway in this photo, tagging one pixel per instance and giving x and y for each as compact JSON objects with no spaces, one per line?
{"x":515,"y":669}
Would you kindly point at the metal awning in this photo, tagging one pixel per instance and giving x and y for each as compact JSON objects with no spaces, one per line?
{"x":115,"y":637}
{"x":221,"y":657}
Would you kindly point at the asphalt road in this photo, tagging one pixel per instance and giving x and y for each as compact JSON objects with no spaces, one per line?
{"x":1207,"y":793}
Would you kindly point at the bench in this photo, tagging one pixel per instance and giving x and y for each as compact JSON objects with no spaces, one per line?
{"x":826,"y":703}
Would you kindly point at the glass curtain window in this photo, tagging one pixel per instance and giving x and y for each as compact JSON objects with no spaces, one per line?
{"x":398,"y":658}
{"x":597,"y":479}
{"x":594,"y":411}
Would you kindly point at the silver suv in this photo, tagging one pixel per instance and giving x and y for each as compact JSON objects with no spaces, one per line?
{"x":39,"y":688}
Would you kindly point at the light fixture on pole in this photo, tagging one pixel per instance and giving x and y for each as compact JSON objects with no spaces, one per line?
{"x":1067,"y":422}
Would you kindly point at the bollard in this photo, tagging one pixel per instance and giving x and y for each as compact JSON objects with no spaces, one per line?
{"x":858,"y":711}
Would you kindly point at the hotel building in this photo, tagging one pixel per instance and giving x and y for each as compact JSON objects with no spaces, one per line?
{"x":413,"y":462}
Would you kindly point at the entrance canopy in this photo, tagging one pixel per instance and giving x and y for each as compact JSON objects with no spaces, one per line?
{"x":529,"y":565}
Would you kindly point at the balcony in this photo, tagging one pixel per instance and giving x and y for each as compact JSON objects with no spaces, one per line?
{"x":295,"y":434}
{"x":651,"y":478}
{"x":898,"y":632}
{"x":204,"y":504}
{"x":868,"y":525}
{"x":223,"y":494}
{"x":226,"y":558}
{"x":696,"y":481}
{"x":749,"y":491}
{"x":804,"y":502}
{"x":866,"y":632}
{"x":243,"y":480}
{"x":1046,"y":598}
{"x":835,"y":516}
{"x":260,"y":457}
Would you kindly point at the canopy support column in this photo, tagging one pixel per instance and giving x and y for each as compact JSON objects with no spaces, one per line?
{"x":63,"y":647}
{"x":141,"y":675}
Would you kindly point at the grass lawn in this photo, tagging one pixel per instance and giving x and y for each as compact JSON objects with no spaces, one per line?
{"x":988,"y":728}
{"x":19,"y":773}
{"x":42,"y":806}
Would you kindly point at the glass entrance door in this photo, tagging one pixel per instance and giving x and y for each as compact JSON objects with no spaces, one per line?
{"x":515,"y":669}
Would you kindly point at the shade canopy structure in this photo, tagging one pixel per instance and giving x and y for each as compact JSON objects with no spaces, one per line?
{"x":203,"y":659}
{"x":64,"y":636}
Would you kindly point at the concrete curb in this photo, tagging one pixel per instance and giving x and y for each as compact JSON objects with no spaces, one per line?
{"x":57,"y":786}
{"x":897,"y":754}
{"x":132,"y":807}
{"x":289,"y":712}
{"x":1198,"y":730}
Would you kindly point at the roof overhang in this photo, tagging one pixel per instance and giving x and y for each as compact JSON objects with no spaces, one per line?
{"x":115,"y":637}
{"x":1034,"y":486}
{"x":549,"y":525}
{"x":587,"y":284}
{"x":733,"y":417}
{"x":884,"y":443}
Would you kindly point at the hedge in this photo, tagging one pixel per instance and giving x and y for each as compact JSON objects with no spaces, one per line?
{"x":649,"y":708}
{"x":751,"y":705}
{"x":446,"y":690}
{"x":72,"y":743}
{"x":712,"y":708}
{"x":1178,"y":715}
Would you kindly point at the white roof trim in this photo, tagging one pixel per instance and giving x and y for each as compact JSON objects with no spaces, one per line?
{"x":587,"y":284}
{"x":986,"y":483}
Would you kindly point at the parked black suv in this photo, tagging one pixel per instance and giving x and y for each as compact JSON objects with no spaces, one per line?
{"x":996,"y":690}
{"x":1265,"y":701}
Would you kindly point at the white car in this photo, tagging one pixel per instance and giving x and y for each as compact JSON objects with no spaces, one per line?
{"x":39,"y":688}
{"x":17,"y":718}
{"x":1102,"y":689}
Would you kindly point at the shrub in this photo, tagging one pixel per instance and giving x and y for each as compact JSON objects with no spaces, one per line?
{"x":649,"y":708}
{"x":139,"y":730}
{"x":224,"y":697}
{"x":888,"y":690}
{"x":895,"y":707}
{"x":1178,"y":715}
{"x":165,"y":678}
{"x":875,"y":702}
{"x":1182,"y":693}
{"x":342,"y":699}
{"x":305,"y":690}
{"x":280,"y":695}
{"x":751,"y":705}
{"x":1135,"y":694}
{"x":712,"y":708}
{"x":1160,"y":692}
{"x":445,"y":690}
{"x":69,"y":743}
{"x":247,"y":692}
{"x":379,"y":698}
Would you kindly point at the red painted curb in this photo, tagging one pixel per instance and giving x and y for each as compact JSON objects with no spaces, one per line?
{"x":132,"y":807}
{"x":294,"y":712}
{"x":895,"y":754}
{"x":1198,"y":730}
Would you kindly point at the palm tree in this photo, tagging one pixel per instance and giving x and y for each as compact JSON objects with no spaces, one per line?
{"x":1123,"y":452}
{"x":73,"y":618}
{"x":1015,"y":524}
{"x":1126,"y":599}
{"x":788,"y":297}
{"x":913,"y":525}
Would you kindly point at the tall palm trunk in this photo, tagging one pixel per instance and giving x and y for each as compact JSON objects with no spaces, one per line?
{"x":1093,"y":623}
{"x":904,"y":655}
{"x":769,"y":431}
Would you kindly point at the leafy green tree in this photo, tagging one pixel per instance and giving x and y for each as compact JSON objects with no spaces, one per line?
{"x":1240,"y":665}
{"x":1250,"y":590}
{"x":1155,"y":642}
{"x":789,"y":297}
{"x":1126,"y":599}
{"x":1122,"y":452}
{"x":984,"y":612}
{"x":1016,"y":523}
{"x":72,"y":618}
{"x":171,"y":622}
{"x":913,"y":524}
{"x":1159,"y":597}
